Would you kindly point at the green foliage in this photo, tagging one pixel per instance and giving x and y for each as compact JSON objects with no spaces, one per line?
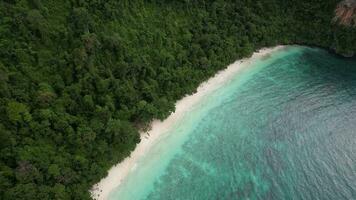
{"x":78,"y":77}
{"x":18,"y":112}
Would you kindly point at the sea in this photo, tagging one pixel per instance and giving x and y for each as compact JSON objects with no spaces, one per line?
{"x":282,"y":128}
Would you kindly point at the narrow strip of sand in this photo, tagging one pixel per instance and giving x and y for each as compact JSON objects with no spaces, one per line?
{"x":119,"y":172}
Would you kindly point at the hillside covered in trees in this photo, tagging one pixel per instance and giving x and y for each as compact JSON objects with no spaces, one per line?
{"x":79,"y":78}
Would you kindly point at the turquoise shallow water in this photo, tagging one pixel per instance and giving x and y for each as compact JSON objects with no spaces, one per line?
{"x":284,"y":128}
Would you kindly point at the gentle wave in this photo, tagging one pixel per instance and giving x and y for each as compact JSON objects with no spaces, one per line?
{"x":283,"y":129}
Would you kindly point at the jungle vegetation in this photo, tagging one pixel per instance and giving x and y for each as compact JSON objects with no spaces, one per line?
{"x":79,"y":78}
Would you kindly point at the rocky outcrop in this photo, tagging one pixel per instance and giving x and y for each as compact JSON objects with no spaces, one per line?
{"x":345,"y":28}
{"x":345,"y":13}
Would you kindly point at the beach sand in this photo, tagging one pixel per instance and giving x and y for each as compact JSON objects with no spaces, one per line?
{"x":119,"y":172}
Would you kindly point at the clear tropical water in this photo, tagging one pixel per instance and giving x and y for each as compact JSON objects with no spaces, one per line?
{"x":285,"y":128}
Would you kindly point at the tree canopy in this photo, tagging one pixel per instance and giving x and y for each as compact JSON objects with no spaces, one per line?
{"x":79,"y":78}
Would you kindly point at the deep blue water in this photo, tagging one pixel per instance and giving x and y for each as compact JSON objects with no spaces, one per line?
{"x":285,"y":128}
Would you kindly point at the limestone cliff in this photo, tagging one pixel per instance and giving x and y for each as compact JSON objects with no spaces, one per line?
{"x":345,"y":13}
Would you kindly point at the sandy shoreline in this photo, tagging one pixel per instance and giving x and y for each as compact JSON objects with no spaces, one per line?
{"x":119,"y":172}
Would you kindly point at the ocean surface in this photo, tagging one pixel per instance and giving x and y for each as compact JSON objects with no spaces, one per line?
{"x":283,"y":128}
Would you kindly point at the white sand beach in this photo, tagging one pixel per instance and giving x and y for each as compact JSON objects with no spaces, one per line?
{"x":118,"y":173}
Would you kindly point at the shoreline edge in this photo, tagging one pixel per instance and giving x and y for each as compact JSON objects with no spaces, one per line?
{"x":120,"y":171}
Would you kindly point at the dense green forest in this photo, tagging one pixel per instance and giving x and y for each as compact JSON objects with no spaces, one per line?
{"x":79,"y":78}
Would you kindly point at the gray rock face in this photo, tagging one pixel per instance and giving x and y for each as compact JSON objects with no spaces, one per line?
{"x":348,"y":3}
{"x":345,"y":13}
{"x":348,"y":55}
